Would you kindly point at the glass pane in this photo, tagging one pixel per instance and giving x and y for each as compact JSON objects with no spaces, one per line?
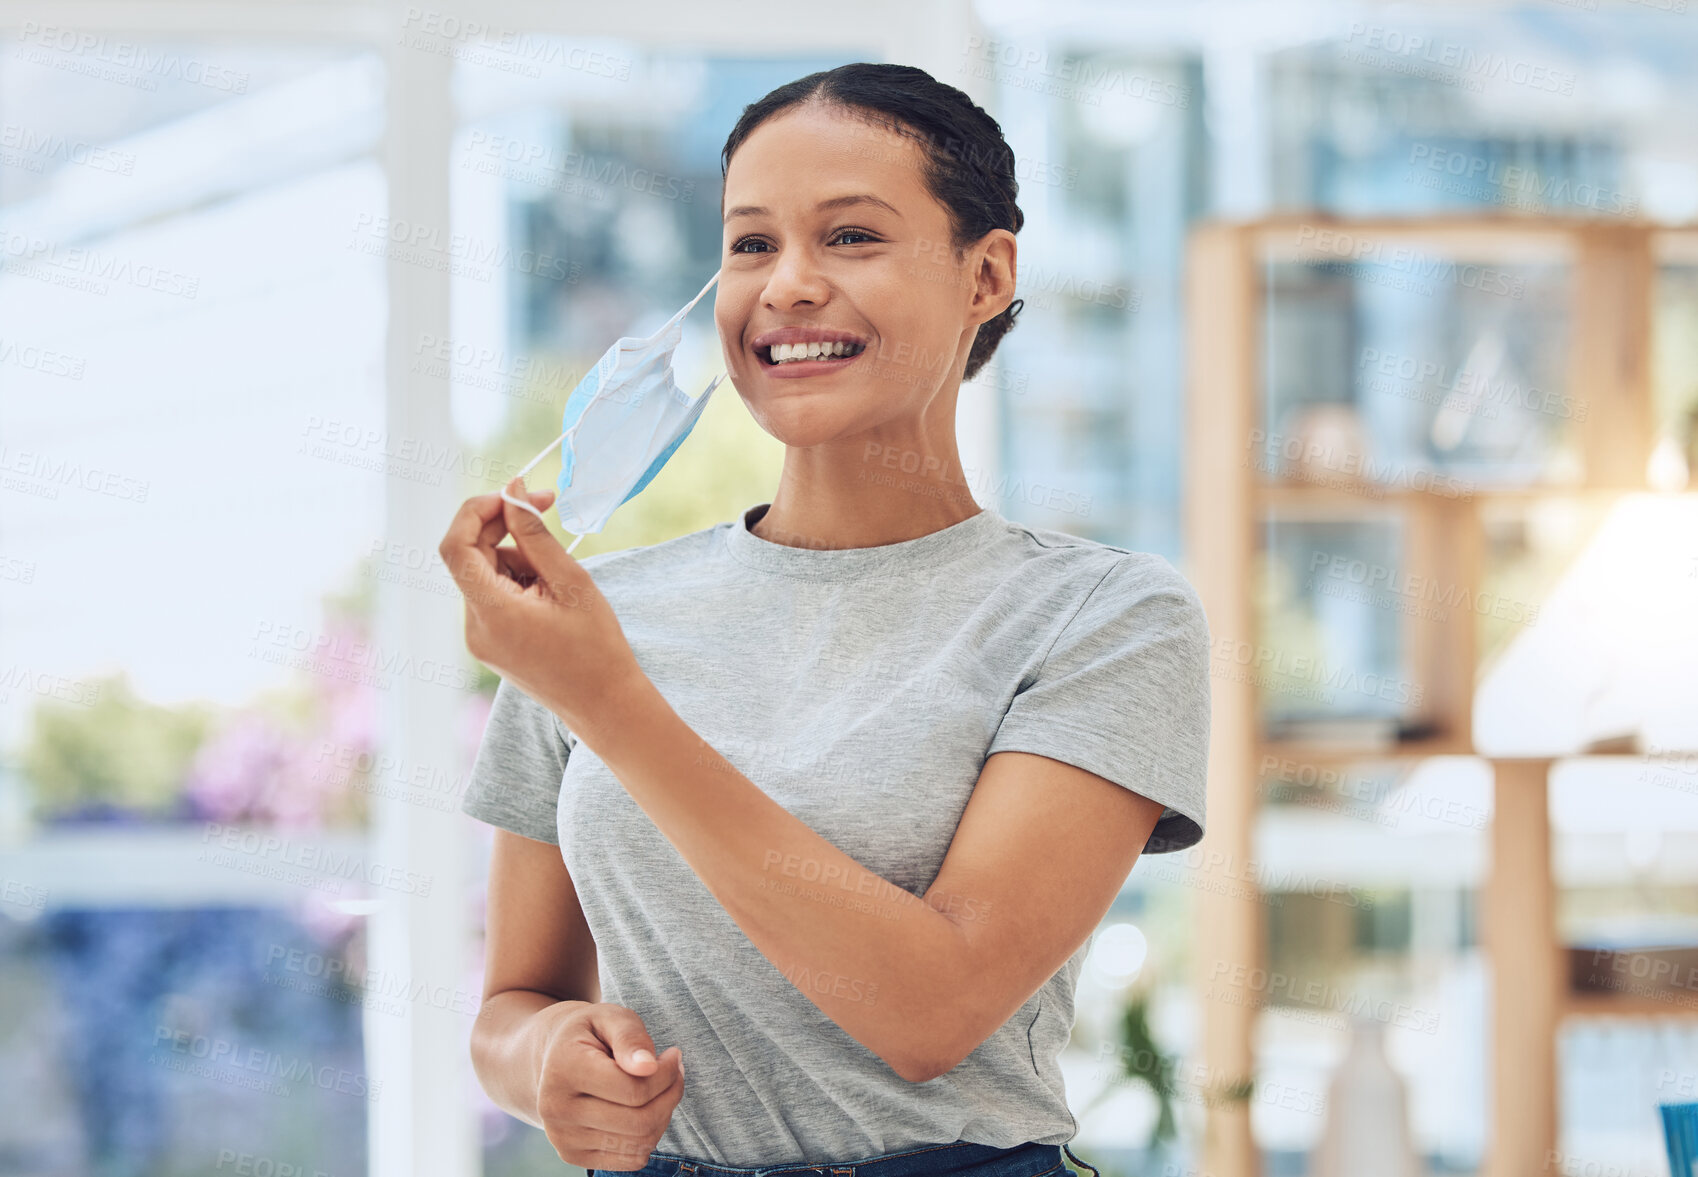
{"x":193,"y":473}
{"x":1374,"y":974}
{"x":1335,"y":657}
{"x":1111,"y":171}
{"x":1674,"y":385}
{"x":1625,"y":859}
{"x":1393,"y":366}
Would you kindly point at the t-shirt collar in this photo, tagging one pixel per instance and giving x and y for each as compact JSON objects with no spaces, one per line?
{"x":925,"y":551}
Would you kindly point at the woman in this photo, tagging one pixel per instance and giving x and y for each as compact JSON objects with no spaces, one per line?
{"x":827,"y":799}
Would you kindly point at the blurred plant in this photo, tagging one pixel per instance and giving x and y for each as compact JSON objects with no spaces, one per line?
{"x":120,"y":754}
{"x":296,"y":757}
{"x":1142,"y":1060}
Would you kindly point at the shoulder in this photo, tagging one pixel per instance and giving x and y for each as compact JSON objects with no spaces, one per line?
{"x":1114,"y":580}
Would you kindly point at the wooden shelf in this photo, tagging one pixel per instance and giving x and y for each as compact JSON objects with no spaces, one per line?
{"x":1629,"y":1005}
{"x":1328,"y":753}
{"x":1610,"y":269}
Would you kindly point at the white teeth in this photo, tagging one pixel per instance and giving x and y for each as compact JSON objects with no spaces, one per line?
{"x":785,"y":352}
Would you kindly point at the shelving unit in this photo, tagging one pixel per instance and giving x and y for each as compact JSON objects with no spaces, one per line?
{"x":1232,"y":493}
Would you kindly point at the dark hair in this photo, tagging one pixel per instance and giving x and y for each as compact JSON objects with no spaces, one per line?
{"x":969,"y":167}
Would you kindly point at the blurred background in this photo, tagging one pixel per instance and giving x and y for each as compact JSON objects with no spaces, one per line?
{"x":1379,"y":321}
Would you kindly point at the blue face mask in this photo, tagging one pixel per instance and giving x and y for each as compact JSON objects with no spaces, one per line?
{"x":622,"y":423}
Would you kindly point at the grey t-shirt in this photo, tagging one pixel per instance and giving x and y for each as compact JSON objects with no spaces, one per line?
{"x":863,"y":689}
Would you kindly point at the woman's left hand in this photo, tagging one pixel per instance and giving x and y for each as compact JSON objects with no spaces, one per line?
{"x":533,"y":615}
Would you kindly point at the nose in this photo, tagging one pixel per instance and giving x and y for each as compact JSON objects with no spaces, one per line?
{"x":795,"y":278}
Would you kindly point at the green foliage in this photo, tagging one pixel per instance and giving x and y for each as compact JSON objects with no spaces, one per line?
{"x":1142,"y":1059}
{"x":121,"y":750}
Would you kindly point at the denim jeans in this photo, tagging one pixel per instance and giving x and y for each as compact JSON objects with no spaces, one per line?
{"x":960,"y":1159}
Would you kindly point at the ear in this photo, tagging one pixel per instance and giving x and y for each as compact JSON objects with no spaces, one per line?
{"x":993,"y":286}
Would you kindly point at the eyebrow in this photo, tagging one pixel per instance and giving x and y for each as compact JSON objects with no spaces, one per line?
{"x":836,"y":202}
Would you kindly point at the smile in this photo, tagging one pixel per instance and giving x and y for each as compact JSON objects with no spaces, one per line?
{"x":796,"y":353}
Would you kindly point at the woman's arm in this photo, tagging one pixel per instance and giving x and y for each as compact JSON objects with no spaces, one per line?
{"x":1041,"y":851}
{"x":538,"y":956}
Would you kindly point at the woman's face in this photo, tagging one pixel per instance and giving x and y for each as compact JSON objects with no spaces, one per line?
{"x":808,"y":254}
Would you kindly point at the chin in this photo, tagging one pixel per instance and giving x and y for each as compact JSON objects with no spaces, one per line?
{"x":802,"y":425}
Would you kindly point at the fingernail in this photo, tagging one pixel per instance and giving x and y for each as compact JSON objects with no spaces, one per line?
{"x":642,"y":1056}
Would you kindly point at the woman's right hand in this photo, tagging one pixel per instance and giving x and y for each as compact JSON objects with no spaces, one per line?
{"x":600,"y":1107}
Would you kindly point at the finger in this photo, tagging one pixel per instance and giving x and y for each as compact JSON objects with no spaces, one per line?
{"x":462,"y":549}
{"x":468,"y":548}
{"x":606,"y":1079}
{"x":516,"y":564}
{"x":496,"y":527}
{"x":547,"y":556}
{"x":604,"y":1115}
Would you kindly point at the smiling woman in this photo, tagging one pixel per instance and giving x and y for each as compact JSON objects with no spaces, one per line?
{"x":842,"y":845}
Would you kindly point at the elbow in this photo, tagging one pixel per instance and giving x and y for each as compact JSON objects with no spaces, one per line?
{"x":927,"y":1061}
{"x":918,"y":1070}
{"x":927,"y":1068}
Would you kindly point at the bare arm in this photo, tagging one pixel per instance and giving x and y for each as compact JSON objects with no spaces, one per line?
{"x":538,"y":955}
{"x":1040,"y":853}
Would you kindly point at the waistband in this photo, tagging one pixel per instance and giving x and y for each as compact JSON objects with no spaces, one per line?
{"x":935,"y":1160}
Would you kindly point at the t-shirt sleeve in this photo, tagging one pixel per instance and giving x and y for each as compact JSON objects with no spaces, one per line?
{"x":515,"y":779}
{"x":1124,"y":693}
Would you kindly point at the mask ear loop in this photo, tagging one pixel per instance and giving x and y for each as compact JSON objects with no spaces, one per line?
{"x":524,"y":506}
